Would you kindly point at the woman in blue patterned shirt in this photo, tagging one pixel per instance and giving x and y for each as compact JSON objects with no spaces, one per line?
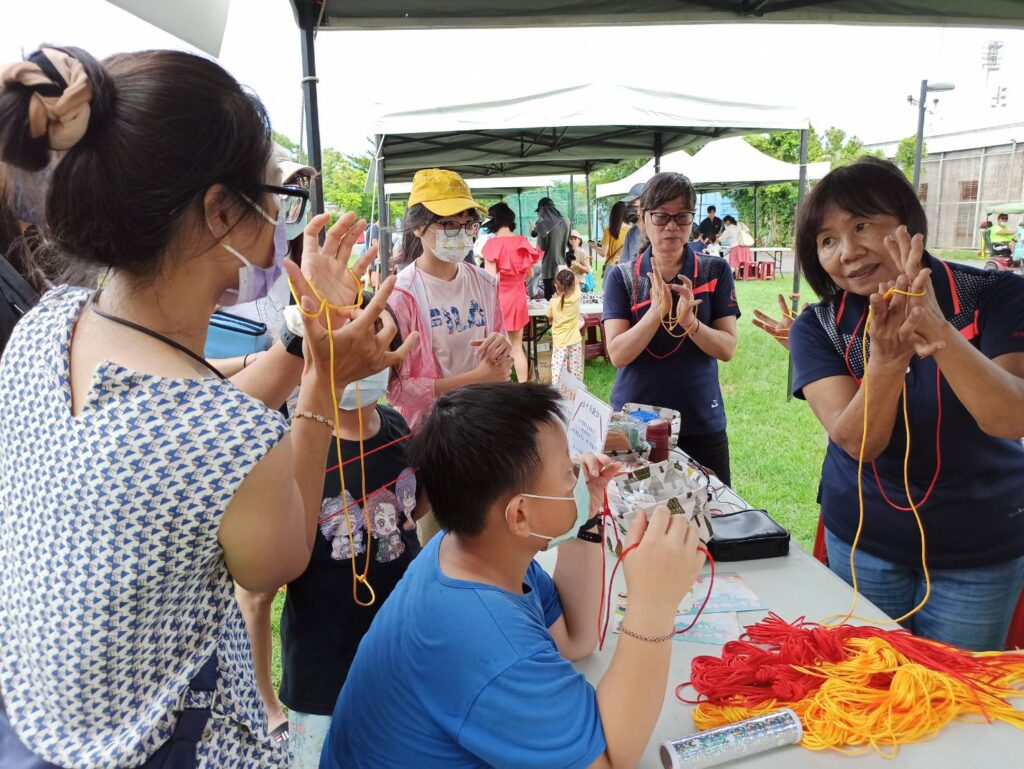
{"x":135,"y":482}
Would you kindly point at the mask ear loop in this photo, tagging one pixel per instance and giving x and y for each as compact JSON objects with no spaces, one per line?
{"x":358,"y":578}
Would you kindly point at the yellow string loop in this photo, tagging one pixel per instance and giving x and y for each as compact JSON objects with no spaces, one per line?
{"x":324,"y":310}
{"x":860,"y":491}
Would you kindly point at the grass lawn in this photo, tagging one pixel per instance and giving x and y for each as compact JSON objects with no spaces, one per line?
{"x":958,"y":254}
{"x":776,"y":445}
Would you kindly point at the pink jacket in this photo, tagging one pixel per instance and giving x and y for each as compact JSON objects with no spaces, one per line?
{"x":412,"y":392}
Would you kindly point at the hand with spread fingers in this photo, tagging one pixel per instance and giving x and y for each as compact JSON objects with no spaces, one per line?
{"x":325,"y":268}
{"x":361,"y":346}
{"x":907,"y":253}
{"x":686,"y":304}
{"x":777,"y":329}
{"x":893,"y":328}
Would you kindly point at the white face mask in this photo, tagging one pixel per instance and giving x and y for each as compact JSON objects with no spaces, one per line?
{"x":452,"y":248}
{"x":370,"y":390}
{"x":581,"y":496}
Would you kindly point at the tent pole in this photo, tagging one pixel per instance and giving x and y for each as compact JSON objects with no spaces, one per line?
{"x":657,"y":152}
{"x":795,"y":298}
{"x":572,"y":199}
{"x":590,"y":216}
{"x":757,"y":188}
{"x":307,"y":28}
{"x":383,"y":209}
{"x":519,"y":203}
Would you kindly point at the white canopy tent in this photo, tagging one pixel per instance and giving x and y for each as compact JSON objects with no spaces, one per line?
{"x":681,"y":162}
{"x":721,"y":164}
{"x":564,"y":130}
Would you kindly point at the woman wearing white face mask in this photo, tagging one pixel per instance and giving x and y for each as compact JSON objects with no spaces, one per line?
{"x":322,"y":624}
{"x":453,"y":305}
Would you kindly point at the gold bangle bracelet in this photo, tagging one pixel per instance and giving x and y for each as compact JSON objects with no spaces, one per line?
{"x":654,"y":639}
{"x":314,"y":417}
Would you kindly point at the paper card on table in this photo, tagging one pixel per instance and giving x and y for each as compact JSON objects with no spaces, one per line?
{"x":588,"y":424}
{"x":568,"y":386}
{"x":714,"y":629}
{"x":730,"y":594}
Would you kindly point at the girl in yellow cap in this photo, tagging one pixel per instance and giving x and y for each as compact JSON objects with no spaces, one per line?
{"x":450,"y":301}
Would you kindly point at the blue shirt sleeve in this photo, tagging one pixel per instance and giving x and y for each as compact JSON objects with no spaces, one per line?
{"x":812,"y":352}
{"x":617,"y":305}
{"x":723,"y":300}
{"x":1001,"y":316}
{"x":546,"y":592}
{"x":538,"y":713}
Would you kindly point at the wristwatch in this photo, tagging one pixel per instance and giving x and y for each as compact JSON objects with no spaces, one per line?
{"x":292,"y":342}
{"x":585,"y":532}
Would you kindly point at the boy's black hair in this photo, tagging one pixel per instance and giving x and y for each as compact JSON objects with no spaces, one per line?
{"x":479,"y":444}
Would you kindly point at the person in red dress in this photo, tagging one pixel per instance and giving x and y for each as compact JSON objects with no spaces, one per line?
{"x":511,"y":258}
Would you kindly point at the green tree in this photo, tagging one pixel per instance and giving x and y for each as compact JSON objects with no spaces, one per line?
{"x":905,"y":154}
{"x":776,"y":203}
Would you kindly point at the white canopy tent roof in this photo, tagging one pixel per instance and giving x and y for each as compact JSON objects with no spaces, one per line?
{"x":681,"y":162}
{"x":565,"y":130}
{"x":721,"y":164}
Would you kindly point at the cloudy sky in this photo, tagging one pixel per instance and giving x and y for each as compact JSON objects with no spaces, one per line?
{"x":855,"y":77}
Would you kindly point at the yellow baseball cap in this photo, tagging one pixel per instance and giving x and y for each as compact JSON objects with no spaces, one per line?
{"x":444,"y":193}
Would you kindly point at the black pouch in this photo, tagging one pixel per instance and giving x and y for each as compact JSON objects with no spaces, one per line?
{"x":747,"y":535}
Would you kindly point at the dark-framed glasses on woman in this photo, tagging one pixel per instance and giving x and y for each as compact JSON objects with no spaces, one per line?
{"x":661,"y":219}
{"x":292,"y":199}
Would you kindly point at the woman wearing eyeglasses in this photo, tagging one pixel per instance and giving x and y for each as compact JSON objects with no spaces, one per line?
{"x":669,"y":317}
{"x":453,"y":304}
{"x":137,"y":484}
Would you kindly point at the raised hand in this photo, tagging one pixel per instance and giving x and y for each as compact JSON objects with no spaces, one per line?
{"x":361,"y":347}
{"x":777,"y":329}
{"x":894,"y":325}
{"x":598,"y":470}
{"x":325,"y":269}
{"x":686,"y":304}
{"x":906,"y":253}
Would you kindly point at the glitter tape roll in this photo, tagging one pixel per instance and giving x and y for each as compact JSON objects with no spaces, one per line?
{"x":727,"y":743}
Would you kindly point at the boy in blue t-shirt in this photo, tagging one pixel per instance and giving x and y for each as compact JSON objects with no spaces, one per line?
{"x":467,"y":664}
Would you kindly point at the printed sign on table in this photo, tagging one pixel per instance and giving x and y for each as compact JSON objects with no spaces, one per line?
{"x":588,"y":424}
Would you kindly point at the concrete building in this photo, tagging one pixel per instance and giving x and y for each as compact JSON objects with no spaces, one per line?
{"x":963,"y":173}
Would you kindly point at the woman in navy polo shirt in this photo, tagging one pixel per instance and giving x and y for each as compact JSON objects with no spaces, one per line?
{"x":673,"y":367}
{"x":959,"y":350}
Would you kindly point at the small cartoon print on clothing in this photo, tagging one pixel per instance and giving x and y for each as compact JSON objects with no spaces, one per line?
{"x":387,"y":514}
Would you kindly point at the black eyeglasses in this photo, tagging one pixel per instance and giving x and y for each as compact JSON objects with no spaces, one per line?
{"x":292,"y":199}
{"x":661,"y":219}
{"x":452,"y":229}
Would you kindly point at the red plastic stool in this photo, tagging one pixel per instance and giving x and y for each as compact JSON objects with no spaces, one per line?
{"x":1015,"y":637}
{"x":766,"y":270}
{"x":820,"y":551}
{"x":593,"y":339}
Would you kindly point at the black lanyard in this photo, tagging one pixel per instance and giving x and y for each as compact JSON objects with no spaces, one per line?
{"x":154,"y":334}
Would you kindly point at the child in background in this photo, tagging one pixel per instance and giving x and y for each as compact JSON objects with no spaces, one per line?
{"x":713,"y":248}
{"x":321,"y":624}
{"x":564,"y":316}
